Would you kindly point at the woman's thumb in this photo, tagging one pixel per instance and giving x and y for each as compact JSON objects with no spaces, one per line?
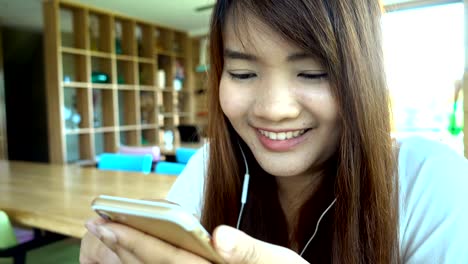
{"x":235,"y":246}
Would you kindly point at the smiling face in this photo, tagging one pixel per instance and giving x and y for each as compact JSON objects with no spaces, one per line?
{"x":278,"y":99}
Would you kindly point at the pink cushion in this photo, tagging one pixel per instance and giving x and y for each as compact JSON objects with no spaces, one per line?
{"x":152,"y":150}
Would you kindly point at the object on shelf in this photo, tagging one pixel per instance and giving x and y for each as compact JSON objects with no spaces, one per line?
{"x":66,"y":79}
{"x":157,"y":35}
{"x":72,"y":118}
{"x":176,"y":47}
{"x":161,"y":78}
{"x":202,"y":68}
{"x":143,"y":77}
{"x":99,"y":77}
{"x":202,"y":63}
{"x":179,"y":76}
{"x":177,"y":84}
{"x":120,"y":79}
{"x":147,"y":106}
{"x":456,"y":116}
{"x":93,"y":31}
{"x":179,"y":70}
{"x":139,"y":39}
{"x":118,"y":38}
{"x":168,"y":139}
{"x":97,"y":107}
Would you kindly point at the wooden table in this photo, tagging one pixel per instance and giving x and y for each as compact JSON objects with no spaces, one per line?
{"x":57,"y":198}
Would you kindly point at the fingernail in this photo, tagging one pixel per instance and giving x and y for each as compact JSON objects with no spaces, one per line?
{"x":106,"y":234}
{"x":226,"y":239}
{"x":92,"y":228}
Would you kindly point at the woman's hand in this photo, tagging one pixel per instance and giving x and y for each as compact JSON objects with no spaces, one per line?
{"x":124,"y":245}
{"x":236,"y":247}
{"x":92,"y":250}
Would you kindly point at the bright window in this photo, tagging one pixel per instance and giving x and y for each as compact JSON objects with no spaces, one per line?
{"x":424,"y":57}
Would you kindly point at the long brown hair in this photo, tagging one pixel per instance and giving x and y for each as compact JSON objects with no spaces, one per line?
{"x":363,"y":225}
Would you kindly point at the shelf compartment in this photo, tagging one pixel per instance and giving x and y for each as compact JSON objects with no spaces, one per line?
{"x":149,"y":137}
{"x":103,"y":108}
{"x":105,"y":142}
{"x":179,"y":80}
{"x":101,"y":71}
{"x":130,"y":138}
{"x":125,"y":42}
{"x":179,"y":46}
{"x":74,"y":68}
{"x":100,"y":32}
{"x":79,"y":147}
{"x":171,"y":120}
{"x":146,"y":74}
{"x":163,"y":39}
{"x":144,"y":39}
{"x":126,"y":72}
{"x":72,"y":27}
{"x":128,"y":108}
{"x":183,"y":102}
{"x":147,"y":107}
{"x":165,"y":71}
{"x":76,"y":108}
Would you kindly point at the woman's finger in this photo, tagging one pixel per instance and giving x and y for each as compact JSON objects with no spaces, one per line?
{"x":93,"y":251}
{"x":144,"y":247}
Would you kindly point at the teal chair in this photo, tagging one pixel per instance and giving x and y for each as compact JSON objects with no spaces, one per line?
{"x":183,"y":155}
{"x":125,"y":162}
{"x":166,"y":167}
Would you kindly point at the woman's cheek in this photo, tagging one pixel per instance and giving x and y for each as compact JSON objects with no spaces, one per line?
{"x":234,"y":101}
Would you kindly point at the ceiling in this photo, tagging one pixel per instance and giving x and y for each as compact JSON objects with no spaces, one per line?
{"x":179,"y":14}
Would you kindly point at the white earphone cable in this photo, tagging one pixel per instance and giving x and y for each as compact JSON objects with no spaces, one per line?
{"x":317,"y":226}
{"x":245,"y":188}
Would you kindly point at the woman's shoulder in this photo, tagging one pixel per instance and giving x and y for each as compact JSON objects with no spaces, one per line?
{"x":433,"y":195}
{"x":187,"y":190}
{"x":432,"y":161}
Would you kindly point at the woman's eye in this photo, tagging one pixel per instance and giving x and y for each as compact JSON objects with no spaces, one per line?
{"x":313,"y":76}
{"x":242,"y":76}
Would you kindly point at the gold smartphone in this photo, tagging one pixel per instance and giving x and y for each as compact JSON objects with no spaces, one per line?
{"x":168,"y":222}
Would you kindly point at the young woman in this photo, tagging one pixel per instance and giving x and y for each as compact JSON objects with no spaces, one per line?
{"x":299,"y":102}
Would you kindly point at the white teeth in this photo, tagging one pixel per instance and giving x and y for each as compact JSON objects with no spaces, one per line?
{"x":282,"y":135}
{"x":272,"y":135}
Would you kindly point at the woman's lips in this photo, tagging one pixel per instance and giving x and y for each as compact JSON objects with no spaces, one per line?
{"x":282,"y":140}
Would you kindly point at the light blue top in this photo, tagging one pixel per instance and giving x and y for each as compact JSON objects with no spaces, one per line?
{"x":433,"y":202}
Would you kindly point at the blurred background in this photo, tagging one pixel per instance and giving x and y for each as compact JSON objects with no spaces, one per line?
{"x":88,"y":86}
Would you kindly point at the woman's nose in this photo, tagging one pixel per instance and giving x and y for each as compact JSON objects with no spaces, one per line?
{"x":275,"y":102}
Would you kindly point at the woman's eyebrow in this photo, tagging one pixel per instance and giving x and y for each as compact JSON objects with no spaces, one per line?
{"x":300,"y":56}
{"x":237,"y":55}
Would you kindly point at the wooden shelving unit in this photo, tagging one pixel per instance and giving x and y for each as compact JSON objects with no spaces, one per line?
{"x":112,"y":80}
{"x":200,"y":76}
{"x":3,"y":134}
